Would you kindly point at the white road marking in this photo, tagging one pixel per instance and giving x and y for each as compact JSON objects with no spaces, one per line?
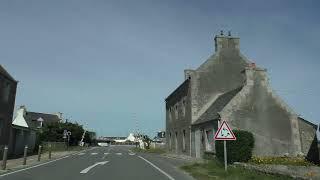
{"x":80,"y":154}
{"x":92,"y":166}
{"x":94,"y":153}
{"x":118,"y":153}
{"x":33,"y":166}
{"x":106,"y":153}
{"x":156,"y":167}
{"x":131,"y":154}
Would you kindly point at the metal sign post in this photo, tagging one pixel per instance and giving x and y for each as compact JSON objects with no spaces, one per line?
{"x":225,"y":154}
{"x":224,"y":134}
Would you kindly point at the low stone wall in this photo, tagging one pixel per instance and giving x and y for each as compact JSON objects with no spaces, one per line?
{"x":56,"y":146}
{"x":158,"y":145}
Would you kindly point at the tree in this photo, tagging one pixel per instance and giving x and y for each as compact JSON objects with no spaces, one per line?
{"x":146,"y":140}
{"x":53,"y":132}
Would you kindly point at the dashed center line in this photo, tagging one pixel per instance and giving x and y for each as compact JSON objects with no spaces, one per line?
{"x":94,"y":153}
{"x":105,"y":153}
{"x":118,"y":153}
{"x":80,"y":154}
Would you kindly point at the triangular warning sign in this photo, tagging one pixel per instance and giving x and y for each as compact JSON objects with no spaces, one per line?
{"x":224,"y":132}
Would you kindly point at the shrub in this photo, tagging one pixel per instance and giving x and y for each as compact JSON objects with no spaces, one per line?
{"x":239,"y":150}
{"x":208,"y":155}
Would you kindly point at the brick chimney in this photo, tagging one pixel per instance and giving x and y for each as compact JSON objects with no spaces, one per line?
{"x":223,"y":41}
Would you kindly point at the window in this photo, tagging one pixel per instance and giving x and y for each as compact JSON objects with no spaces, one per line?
{"x":184,"y":140}
{"x":208,"y":140}
{"x":170,"y":141}
{"x":176,"y":141}
{"x":1,"y":126}
{"x":6,"y":91}
{"x":176,"y":111}
{"x":183,"y":107}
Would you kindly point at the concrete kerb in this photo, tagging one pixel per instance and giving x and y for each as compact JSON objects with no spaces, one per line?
{"x":37,"y":163}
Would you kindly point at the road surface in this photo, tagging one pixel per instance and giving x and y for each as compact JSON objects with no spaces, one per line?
{"x":114,"y":163}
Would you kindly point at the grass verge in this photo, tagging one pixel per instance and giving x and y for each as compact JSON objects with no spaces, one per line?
{"x":215,"y":170}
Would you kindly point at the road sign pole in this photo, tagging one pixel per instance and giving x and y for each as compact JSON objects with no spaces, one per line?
{"x":225,"y":154}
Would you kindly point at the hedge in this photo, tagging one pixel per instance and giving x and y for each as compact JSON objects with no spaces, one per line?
{"x":239,"y":150}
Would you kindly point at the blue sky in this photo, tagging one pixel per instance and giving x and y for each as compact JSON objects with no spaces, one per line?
{"x":107,"y":63}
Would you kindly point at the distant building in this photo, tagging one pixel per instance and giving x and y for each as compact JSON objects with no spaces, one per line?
{"x":160,"y":137}
{"x":229,"y":87}
{"x":8,"y":87}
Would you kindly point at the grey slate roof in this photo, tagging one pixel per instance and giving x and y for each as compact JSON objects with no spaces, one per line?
{"x":212,"y":112}
{"x":48,"y":118}
{"x":32,"y":118}
{"x":178,"y":93}
{"x":6,"y":74}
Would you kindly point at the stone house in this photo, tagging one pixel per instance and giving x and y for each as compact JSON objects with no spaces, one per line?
{"x":227,"y":86}
{"x":8,"y":87}
{"x":25,"y":125}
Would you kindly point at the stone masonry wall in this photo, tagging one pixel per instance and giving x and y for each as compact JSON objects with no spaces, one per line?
{"x":259,"y":110}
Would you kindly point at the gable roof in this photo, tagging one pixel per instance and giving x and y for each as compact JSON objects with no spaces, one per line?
{"x":212,"y":112}
{"x":6,"y":74}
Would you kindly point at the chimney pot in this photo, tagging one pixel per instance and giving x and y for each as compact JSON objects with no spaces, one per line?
{"x":221,"y":32}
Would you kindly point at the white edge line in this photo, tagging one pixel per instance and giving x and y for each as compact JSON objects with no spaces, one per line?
{"x":6,"y":174}
{"x":33,"y":166}
{"x":156,"y":167}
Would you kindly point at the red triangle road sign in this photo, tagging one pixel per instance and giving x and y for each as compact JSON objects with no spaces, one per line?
{"x":224,"y":133}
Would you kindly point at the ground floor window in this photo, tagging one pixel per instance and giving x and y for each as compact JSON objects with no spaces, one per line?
{"x":184,"y":140}
{"x":208,"y":140}
{"x":170,"y":141}
{"x":176,"y":141}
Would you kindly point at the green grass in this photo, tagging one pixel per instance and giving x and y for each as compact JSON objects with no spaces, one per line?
{"x":151,"y":150}
{"x":215,"y":170}
{"x":294,"y":161}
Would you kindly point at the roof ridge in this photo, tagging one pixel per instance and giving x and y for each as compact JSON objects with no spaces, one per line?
{"x":42,"y":113}
{"x":5,"y":72}
{"x":218,"y":97}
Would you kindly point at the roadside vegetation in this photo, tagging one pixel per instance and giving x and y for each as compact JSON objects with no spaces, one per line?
{"x":294,"y":161}
{"x":53,"y":134}
{"x":214,"y":169}
{"x":150,"y":150}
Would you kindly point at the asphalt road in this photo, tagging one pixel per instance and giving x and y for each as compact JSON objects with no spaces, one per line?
{"x":107,"y":163}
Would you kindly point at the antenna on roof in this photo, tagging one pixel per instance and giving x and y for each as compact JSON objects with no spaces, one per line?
{"x":229,"y":33}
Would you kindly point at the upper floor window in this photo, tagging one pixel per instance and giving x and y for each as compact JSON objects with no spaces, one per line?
{"x":6,"y":91}
{"x":176,"y":111}
{"x":184,"y":106}
{"x":169,"y":114}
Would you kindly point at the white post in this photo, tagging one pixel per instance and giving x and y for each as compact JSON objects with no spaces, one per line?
{"x":225,"y":154}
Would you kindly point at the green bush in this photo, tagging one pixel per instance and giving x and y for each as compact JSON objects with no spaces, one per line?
{"x":239,"y":150}
{"x":208,"y":155}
